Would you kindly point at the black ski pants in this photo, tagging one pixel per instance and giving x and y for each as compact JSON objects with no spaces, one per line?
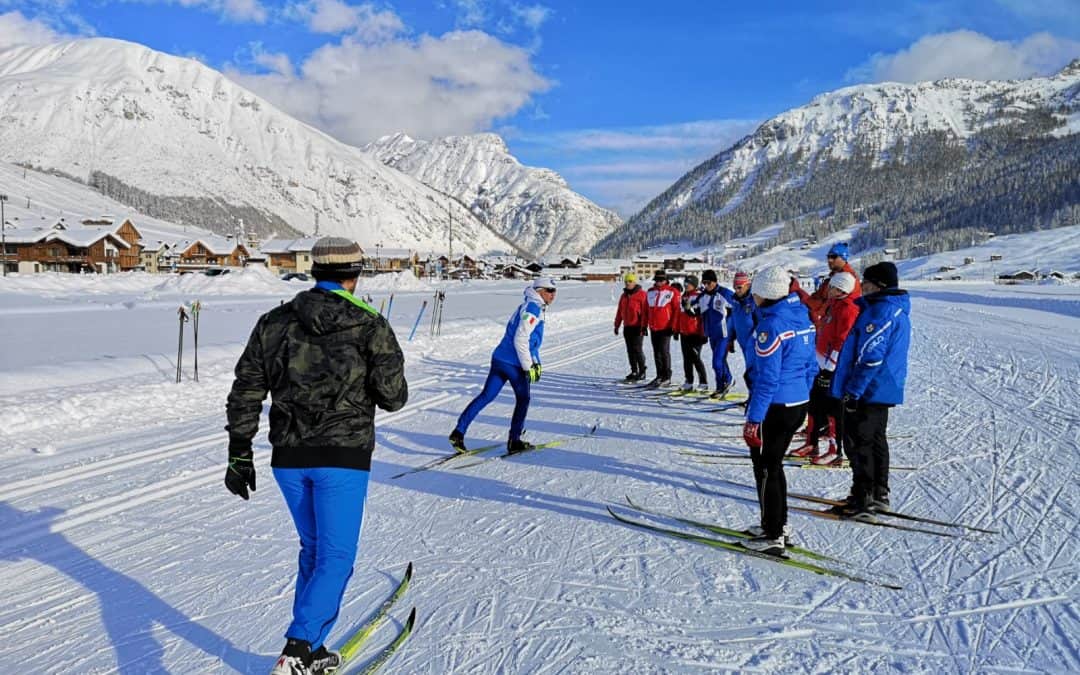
{"x":661,"y":349}
{"x":822,"y":405}
{"x":866,"y":444}
{"x":779,"y":427}
{"x":634,"y":351}
{"x":691,"y":357}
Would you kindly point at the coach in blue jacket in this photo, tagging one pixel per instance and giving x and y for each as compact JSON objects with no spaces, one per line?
{"x":784,"y":369}
{"x":870,"y":376}
{"x":516,"y":360}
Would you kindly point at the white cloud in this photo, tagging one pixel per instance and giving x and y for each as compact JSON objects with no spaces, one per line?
{"x":365,"y":21}
{"x":460,"y":82}
{"x":695,"y":137}
{"x":968,"y":54}
{"x":471,"y":13}
{"x":531,"y":16}
{"x":276,"y":62}
{"x":16,"y":29}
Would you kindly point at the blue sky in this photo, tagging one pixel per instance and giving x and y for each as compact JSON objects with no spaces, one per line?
{"x":620,"y":97}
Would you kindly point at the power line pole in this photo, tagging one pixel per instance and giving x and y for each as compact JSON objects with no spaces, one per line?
{"x":3,"y":234}
{"x":450,"y":213}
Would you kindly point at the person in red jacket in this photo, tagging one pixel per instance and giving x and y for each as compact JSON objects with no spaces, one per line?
{"x":663,"y":302}
{"x":838,"y":262}
{"x":633,"y":317}
{"x":840,"y":314}
{"x":690,"y":333}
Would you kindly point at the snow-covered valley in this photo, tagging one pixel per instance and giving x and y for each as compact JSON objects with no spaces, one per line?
{"x":123,"y":552}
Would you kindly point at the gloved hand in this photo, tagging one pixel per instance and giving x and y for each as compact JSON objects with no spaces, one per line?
{"x":675,"y":337}
{"x":851,"y":404}
{"x":751,"y":433}
{"x":731,"y":346}
{"x":824,"y":380}
{"x":644,"y":331}
{"x":534,"y":372}
{"x":616,"y":330}
{"x":240,"y":475}
{"x":794,"y":286}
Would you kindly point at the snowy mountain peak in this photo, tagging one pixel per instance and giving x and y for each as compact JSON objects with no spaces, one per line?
{"x":1072,"y":69}
{"x":182,"y":142}
{"x":533,"y":207}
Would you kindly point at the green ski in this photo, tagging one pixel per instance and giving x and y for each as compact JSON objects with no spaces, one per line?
{"x":388,"y":652}
{"x":357,"y":640}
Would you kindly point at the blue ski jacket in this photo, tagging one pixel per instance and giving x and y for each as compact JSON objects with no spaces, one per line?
{"x":713,"y":309}
{"x":784,"y":361}
{"x":872,"y":366}
{"x":743,"y":320}
{"x":524,"y":334}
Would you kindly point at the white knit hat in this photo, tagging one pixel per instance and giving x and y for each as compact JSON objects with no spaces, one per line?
{"x":843,"y":281}
{"x":543,"y":282}
{"x":771,"y":283}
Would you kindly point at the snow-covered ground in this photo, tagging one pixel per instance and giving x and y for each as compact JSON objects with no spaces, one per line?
{"x":123,"y":552}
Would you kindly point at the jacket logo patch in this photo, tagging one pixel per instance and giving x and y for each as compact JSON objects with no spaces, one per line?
{"x":869,"y":328}
{"x":762,"y":337}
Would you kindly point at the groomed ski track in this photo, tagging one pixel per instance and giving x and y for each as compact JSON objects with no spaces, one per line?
{"x":123,"y":553}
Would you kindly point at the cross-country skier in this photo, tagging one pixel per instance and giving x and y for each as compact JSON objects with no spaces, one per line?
{"x":516,"y":360}
{"x":327,"y":359}
{"x":633,"y":316}
{"x":743,"y":321}
{"x":783,"y":372}
{"x":837,"y":259}
{"x":714,"y":306}
{"x":840,"y":313}
{"x":663,"y":303}
{"x":692,"y":336}
{"x":871,"y":371}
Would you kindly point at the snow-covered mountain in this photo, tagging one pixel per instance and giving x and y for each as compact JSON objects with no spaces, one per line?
{"x":182,"y":142}
{"x":534,"y":207}
{"x":886,"y":148}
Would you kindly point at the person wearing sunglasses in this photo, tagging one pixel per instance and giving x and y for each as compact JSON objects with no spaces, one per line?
{"x":837,"y":259}
{"x":516,"y":360}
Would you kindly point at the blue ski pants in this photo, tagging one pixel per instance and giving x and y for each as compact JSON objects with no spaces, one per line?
{"x":327,"y":507}
{"x":500,"y":373}
{"x":719,"y":345}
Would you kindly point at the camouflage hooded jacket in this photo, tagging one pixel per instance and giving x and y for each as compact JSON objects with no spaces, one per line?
{"x":327,"y":362}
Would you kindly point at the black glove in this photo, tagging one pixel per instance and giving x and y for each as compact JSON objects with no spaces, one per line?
{"x":824,"y":380}
{"x":851,"y":404}
{"x":644,"y":331}
{"x":240,"y":475}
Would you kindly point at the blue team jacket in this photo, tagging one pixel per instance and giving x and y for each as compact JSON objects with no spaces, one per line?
{"x":872,"y":365}
{"x":784,"y":361}
{"x":713,"y":309}
{"x":524,"y":333}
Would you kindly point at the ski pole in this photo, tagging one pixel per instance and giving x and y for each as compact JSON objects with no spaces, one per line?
{"x":382,"y":306}
{"x":417,"y":322}
{"x":180,"y":343}
{"x":195,"y":308}
{"x":389,"y":306}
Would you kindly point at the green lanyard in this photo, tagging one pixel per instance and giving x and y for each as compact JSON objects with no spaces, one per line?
{"x":342,"y":293}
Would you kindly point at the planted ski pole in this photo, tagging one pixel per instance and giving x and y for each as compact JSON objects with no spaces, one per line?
{"x":180,"y":342}
{"x":196,"y":307}
{"x":382,"y":306}
{"x":389,"y":307}
{"x":417,"y":322}
{"x":442,"y":302}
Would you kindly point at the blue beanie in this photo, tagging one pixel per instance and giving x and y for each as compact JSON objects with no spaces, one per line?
{"x":839,"y":249}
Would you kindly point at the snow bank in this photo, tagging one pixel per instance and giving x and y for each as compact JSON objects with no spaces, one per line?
{"x":393,"y":281}
{"x":248,"y":281}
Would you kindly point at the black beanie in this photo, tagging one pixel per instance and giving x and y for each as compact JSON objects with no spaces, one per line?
{"x":708,"y":275}
{"x":659,"y":275}
{"x":883,"y":275}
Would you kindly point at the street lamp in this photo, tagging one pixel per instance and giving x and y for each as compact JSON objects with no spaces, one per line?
{"x":3,"y":234}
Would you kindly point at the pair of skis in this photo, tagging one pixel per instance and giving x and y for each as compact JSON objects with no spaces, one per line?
{"x":789,"y":460}
{"x":359,"y":638}
{"x":472,"y":452}
{"x":734,"y":545}
{"x":832,"y":514}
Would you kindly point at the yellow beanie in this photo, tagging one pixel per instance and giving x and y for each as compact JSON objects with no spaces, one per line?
{"x":630,"y":278}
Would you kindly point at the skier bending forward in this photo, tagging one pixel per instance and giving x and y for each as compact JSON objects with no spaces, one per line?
{"x":515,"y":360}
{"x":327,"y":359}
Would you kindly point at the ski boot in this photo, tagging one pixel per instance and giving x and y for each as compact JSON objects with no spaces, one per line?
{"x":514,"y":447}
{"x":831,"y":456}
{"x":294,"y":659}
{"x":703,"y":388}
{"x":457,"y":441}
{"x":324,"y":661}
{"x":687,"y":387}
{"x":766,"y":545}
{"x":880,"y":500}
{"x":808,"y":450}
{"x":757,"y":532}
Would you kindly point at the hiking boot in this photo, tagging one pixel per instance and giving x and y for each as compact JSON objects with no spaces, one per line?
{"x":457,"y":441}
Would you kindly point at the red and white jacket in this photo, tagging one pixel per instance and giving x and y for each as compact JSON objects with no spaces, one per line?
{"x":633,"y":308}
{"x":663,"y":306}
{"x":820,"y":298}
{"x":836,"y":323}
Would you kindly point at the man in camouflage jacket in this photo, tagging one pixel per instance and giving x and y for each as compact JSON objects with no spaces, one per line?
{"x":327,"y":359}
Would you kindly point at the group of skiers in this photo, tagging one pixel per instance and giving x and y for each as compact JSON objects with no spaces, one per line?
{"x":836,"y":359}
{"x":328,"y":359}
